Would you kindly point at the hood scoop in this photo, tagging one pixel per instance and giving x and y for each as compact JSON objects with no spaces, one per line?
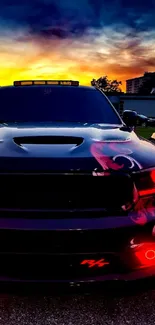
{"x":51,"y":140}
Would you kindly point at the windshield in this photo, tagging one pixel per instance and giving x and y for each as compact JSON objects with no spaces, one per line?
{"x":45,"y":103}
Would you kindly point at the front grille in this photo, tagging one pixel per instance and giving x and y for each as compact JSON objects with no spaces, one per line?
{"x":49,"y":196}
{"x":65,"y":241}
{"x":58,"y":254}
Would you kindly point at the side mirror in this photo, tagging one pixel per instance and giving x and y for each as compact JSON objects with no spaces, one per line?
{"x":130,"y":118}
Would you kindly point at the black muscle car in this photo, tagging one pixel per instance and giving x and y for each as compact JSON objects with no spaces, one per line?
{"x":77,"y":187}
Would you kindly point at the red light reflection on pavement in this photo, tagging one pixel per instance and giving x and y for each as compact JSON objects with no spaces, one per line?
{"x":92,"y":263}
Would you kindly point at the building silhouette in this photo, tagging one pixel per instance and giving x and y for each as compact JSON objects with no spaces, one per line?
{"x":133,"y":85}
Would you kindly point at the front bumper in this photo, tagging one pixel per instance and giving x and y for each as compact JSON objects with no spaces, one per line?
{"x":84,"y":281}
{"x":50,"y":250}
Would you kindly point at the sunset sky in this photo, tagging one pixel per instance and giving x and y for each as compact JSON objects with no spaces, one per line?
{"x":76,"y":39}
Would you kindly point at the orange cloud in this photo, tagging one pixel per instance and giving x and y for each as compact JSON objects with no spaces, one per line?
{"x":117,"y":54}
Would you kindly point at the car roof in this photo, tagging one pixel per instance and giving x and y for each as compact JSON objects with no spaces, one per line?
{"x":50,"y":86}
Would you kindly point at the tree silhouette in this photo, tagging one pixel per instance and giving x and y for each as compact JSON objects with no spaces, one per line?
{"x":110,"y":86}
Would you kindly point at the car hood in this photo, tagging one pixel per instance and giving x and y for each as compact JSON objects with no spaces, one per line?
{"x":76,"y":145}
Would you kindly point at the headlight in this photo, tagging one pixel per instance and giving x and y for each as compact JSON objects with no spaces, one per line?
{"x":144,"y":208}
{"x":144,"y":212}
{"x":145,"y":254}
{"x":145,"y":182}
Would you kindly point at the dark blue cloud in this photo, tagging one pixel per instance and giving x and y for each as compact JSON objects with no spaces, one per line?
{"x":63,"y":18}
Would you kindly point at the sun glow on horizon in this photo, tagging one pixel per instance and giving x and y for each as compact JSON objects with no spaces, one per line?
{"x":90,"y":56}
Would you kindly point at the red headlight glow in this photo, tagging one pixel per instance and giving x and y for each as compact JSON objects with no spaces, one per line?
{"x":147,"y":192}
{"x":145,"y":182}
{"x":145,"y":255}
{"x":150,"y":254}
{"x":152,"y":174}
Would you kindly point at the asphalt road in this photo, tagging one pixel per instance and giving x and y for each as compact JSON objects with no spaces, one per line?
{"x":112,"y":306}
